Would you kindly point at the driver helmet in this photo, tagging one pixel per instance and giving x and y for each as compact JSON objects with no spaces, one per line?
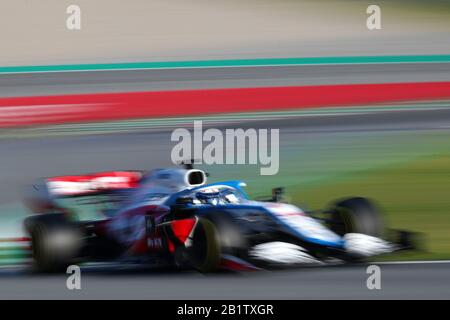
{"x":209,"y":197}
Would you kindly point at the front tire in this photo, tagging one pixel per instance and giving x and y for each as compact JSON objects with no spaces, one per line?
{"x":356,"y":215}
{"x":205,"y":253}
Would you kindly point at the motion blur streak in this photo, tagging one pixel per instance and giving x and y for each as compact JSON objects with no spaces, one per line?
{"x":22,"y":111}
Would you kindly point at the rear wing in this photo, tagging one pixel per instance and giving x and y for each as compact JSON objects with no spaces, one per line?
{"x":92,"y":183}
{"x":42,"y":196}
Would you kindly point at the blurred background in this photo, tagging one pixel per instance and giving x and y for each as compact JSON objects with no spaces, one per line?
{"x":158,"y":30}
{"x":374,"y":119}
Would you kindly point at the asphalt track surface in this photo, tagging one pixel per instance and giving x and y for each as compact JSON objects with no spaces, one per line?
{"x":179,"y":79}
{"x":398,"y":281}
{"x":22,"y":160}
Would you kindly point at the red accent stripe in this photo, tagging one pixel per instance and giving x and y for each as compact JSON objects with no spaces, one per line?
{"x":236,"y":266}
{"x":171,"y":246}
{"x":22,"y":239}
{"x":182,"y":228}
{"x":140,"y":246}
{"x":22,"y":111}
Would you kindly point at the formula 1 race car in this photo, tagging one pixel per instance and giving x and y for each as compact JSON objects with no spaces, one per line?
{"x":171,"y":217}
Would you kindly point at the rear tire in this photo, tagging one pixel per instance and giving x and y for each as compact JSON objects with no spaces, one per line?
{"x":56,"y":242}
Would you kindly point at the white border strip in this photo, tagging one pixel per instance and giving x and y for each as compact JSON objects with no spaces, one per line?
{"x":414,"y":262}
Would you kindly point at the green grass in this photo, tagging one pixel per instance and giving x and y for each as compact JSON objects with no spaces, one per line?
{"x":407,"y":173}
{"x":414,"y":196}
